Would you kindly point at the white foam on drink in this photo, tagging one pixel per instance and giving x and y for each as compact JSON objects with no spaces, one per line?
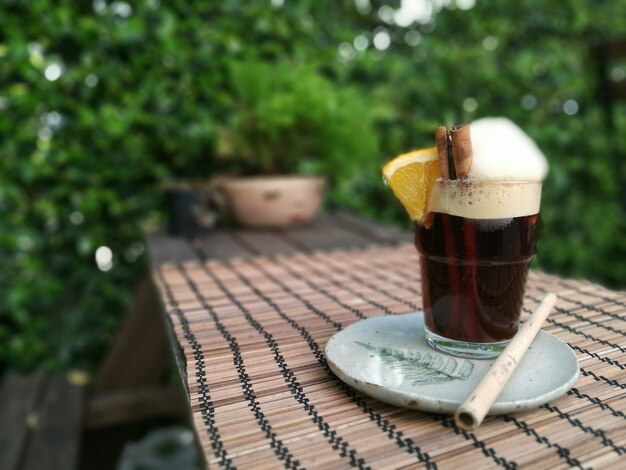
{"x":502,"y":151}
{"x":504,"y":180}
{"x":486,"y":199}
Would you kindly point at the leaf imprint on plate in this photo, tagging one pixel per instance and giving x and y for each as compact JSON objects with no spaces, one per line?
{"x":423,"y":369}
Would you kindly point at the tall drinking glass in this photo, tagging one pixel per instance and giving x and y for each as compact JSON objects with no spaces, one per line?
{"x":474,"y":263}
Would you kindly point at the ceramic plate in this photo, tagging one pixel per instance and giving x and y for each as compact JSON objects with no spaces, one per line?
{"x":388,"y":359}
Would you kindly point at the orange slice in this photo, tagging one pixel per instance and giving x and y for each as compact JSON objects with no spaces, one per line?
{"x":412,"y":177}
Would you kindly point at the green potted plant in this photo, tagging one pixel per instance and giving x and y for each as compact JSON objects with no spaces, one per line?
{"x":291,"y":132}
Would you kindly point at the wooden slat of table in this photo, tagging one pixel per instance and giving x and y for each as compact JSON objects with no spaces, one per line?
{"x":220,"y":244}
{"x":253,"y":331}
{"x":18,"y":398}
{"x":41,"y":416}
{"x":163,"y":248}
{"x":371,"y":230}
{"x":266,"y":242}
{"x":61,"y":413}
{"x":326,"y":232}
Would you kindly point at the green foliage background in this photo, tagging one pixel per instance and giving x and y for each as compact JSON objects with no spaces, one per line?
{"x":144,"y":90}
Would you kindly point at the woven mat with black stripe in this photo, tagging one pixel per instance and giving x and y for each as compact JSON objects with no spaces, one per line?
{"x":253,"y":332}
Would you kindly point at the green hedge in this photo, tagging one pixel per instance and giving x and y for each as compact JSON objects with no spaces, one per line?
{"x":103,"y":101}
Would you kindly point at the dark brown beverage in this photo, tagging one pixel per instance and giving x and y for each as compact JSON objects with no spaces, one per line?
{"x":474,"y":274}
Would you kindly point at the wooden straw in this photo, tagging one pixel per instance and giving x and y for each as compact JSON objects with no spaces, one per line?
{"x":473,"y":410}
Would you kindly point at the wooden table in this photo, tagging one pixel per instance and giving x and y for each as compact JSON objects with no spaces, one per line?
{"x":251,"y":312}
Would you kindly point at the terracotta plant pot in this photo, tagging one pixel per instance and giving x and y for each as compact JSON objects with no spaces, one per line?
{"x":273,"y":201}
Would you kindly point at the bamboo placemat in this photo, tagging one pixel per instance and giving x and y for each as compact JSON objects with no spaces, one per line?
{"x":253,"y":332}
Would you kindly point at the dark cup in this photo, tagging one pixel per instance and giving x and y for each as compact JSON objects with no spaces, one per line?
{"x":187,"y":210}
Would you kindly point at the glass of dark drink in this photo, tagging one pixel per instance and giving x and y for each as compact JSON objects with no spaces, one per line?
{"x":474,"y":255}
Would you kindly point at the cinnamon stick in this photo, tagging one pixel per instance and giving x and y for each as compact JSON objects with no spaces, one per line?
{"x":446,"y":163}
{"x":454,"y":149}
{"x":461,"y":142}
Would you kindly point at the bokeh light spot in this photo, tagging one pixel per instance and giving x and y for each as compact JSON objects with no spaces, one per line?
{"x":570,"y":107}
{"x":490,"y":43}
{"x":122,"y":9}
{"x":346,"y":51}
{"x":465,"y":4}
{"x":363,"y":6}
{"x":25,"y":243}
{"x":91,"y":80}
{"x":53,"y":119}
{"x":45,"y":133}
{"x":412,"y":38}
{"x":104,"y":258}
{"x":382,"y":40}
{"x":470,"y":104}
{"x":386,"y":13}
{"x":360,"y":42}
{"x":99,"y":6}
{"x":420,"y":11}
{"x":77,"y":218}
{"x":618,"y":73}
{"x":53,"y":72}
{"x":529,"y":102}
